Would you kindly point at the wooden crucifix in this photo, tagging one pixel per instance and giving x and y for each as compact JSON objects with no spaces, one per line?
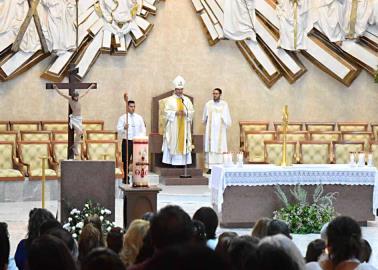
{"x":32,"y":13}
{"x":73,"y":85}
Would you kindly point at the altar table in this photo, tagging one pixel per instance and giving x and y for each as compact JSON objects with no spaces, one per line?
{"x":242,"y":195}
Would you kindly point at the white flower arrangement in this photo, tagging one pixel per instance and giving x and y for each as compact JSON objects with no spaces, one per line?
{"x":75,"y":221}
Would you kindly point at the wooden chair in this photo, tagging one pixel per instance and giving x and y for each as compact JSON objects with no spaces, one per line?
{"x":374,"y":129}
{"x":10,"y":168}
{"x":105,"y":150}
{"x":24,"y":125}
{"x":353,"y":126}
{"x":10,"y":136}
{"x":254,"y":147}
{"x":296,"y":136}
{"x":273,"y":152}
{"x":54,"y":125}
{"x":315,"y":152}
{"x":4,"y":125}
{"x":30,"y":154}
{"x":246,"y":126}
{"x":59,"y":135}
{"x":101,"y":135}
{"x":292,"y":126}
{"x":320,"y":126}
{"x":93,"y":125}
{"x":326,"y":136}
{"x":358,"y":136}
{"x":342,"y":150}
{"x":39,"y":135}
{"x":59,"y":153}
{"x":374,"y":151}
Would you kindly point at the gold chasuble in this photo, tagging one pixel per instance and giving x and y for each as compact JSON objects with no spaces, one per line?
{"x":180,"y":127}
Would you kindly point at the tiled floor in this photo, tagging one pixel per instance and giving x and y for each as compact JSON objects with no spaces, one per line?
{"x":190,"y":198}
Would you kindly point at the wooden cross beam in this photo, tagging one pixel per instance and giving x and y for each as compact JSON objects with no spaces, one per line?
{"x":32,"y":13}
{"x":73,"y":85}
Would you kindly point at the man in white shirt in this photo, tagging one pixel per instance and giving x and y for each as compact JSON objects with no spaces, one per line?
{"x":135,"y":128}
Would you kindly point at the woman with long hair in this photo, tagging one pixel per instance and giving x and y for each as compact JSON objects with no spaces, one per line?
{"x":133,"y":241}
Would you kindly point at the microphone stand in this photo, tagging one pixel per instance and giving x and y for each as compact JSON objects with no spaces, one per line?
{"x":186,"y":175}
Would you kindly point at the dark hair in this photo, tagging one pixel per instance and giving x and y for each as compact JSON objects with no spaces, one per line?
{"x":114,"y":239}
{"x":65,"y":236}
{"x":209,"y":218}
{"x":272,"y":258}
{"x":219,"y":90}
{"x":148,"y":216}
{"x":4,"y":245}
{"x":130,"y":102}
{"x":89,"y":239}
{"x":365,"y":252}
{"x":49,"y":225}
{"x":240,"y":248}
{"x":314,"y":249}
{"x":102,"y":258}
{"x":171,"y":226}
{"x":278,"y":227}
{"x":48,"y":252}
{"x":344,"y":239}
{"x":187,"y":257}
{"x":199,"y":235}
{"x":224,"y":241}
{"x":37,"y":217}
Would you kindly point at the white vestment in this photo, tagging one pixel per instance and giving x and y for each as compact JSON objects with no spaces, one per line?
{"x":171,"y":154}
{"x":216,"y":116}
{"x":293,"y":24}
{"x":364,"y":17}
{"x":60,"y":31}
{"x":328,"y":17}
{"x":239,"y":19}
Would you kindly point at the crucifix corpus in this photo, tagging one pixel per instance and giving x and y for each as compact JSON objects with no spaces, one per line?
{"x":75,"y":128}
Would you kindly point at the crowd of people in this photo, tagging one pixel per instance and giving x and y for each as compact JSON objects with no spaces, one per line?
{"x":171,"y":239}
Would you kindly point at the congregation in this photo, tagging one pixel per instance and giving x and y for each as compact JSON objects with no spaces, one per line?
{"x":171,"y":239}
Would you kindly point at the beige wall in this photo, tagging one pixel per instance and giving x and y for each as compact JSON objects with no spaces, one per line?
{"x":177,"y":45}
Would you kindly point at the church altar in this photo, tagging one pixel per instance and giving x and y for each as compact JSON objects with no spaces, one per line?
{"x":242,"y":195}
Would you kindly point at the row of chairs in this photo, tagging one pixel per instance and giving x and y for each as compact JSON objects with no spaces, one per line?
{"x":48,"y":125}
{"x":23,"y":158}
{"x":313,"y":152}
{"x":56,"y":135}
{"x":247,"y":126}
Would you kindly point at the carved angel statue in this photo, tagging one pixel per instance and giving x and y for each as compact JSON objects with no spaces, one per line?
{"x":119,"y":16}
{"x":239,"y":19}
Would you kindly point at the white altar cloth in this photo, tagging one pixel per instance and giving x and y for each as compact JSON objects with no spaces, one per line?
{"x":309,"y":174}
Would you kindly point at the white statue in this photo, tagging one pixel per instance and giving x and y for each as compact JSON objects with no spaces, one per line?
{"x":328,"y":16}
{"x":59,"y":29}
{"x":239,"y":19}
{"x":293,"y":17}
{"x":357,"y":15}
{"x":119,"y":15}
{"x":12,"y":15}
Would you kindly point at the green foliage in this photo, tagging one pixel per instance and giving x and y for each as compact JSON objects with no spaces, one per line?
{"x":75,"y":221}
{"x":302,"y":216}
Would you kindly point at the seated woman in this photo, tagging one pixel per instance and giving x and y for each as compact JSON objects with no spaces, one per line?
{"x":344,"y":246}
